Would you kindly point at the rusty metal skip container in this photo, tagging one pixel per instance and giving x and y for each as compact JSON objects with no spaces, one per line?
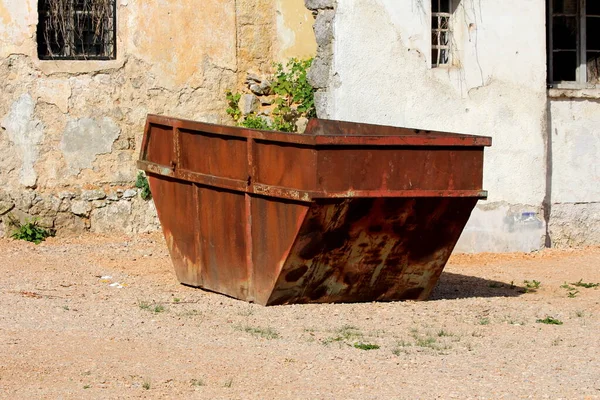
{"x":344,"y":212}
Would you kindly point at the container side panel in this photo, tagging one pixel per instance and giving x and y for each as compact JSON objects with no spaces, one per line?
{"x":371,"y":250}
{"x":222,"y":225}
{"x":221,"y":156}
{"x":176,"y":207}
{"x":381,"y":168}
{"x":285,"y":165}
{"x":160,"y":149}
{"x":275,"y":224}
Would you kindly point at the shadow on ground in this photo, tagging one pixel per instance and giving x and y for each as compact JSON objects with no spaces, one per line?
{"x":457,"y":286}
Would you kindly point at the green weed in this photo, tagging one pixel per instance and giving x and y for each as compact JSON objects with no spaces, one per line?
{"x":197,"y":382}
{"x":587,"y":285}
{"x":142,"y":183}
{"x":266,"y":333}
{"x":366,"y":346}
{"x":532,"y":284}
{"x":30,"y":231}
{"x":294,"y":98}
{"x":344,"y":334}
{"x":153,"y":307}
{"x":549,"y":321}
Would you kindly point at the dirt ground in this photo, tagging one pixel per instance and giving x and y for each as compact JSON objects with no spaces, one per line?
{"x":100,"y":317}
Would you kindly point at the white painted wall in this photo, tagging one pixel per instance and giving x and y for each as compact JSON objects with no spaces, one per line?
{"x":495,"y":87}
{"x":575,"y":184}
{"x":575,"y":151}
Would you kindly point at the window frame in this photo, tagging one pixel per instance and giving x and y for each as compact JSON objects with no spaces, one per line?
{"x":435,"y":62}
{"x":581,"y":73}
{"x":67,"y":52}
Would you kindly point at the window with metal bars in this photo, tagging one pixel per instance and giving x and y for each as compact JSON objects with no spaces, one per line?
{"x":440,"y":32}
{"x":76,"y":30}
{"x":573,"y":42}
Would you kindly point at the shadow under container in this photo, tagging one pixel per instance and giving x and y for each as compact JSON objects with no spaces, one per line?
{"x":344,"y":212}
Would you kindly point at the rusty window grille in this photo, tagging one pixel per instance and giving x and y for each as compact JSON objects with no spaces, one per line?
{"x":76,"y":30}
{"x":573,"y":43}
{"x":440,"y":32}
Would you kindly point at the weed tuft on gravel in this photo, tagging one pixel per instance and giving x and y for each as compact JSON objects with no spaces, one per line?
{"x":549,"y":321}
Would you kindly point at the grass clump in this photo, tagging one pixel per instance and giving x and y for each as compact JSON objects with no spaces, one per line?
{"x":265,"y":333}
{"x":587,"y":285}
{"x":549,"y":321}
{"x":344,"y":334}
{"x":366,"y":346}
{"x":153,"y":307}
{"x":197,"y":382}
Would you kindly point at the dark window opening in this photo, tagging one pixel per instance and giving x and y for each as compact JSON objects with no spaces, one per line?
{"x":76,"y":30}
{"x":440,"y":32}
{"x":574,"y":41}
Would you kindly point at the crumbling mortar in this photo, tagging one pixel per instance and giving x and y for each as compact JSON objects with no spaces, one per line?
{"x":320,"y":74}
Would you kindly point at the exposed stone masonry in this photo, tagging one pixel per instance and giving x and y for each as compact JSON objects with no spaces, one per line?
{"x":320,"y":73}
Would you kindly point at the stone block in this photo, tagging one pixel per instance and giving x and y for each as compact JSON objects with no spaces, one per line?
{"x":115,"y":217}
{"x":81,"y":208}
{"x":249,"y":104}
{"x":89,"y":195}
{"x":319,"y":4}
{"x":6,"y":206}
{"x":129,"y":193}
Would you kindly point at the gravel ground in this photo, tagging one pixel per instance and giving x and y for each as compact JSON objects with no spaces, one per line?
{"x":100,"y":317}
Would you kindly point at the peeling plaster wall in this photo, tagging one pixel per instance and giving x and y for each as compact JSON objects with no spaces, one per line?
{"x":575,"y":184}
{"x":373,"y":66}
{"x":71,"y":130}
{"x":496,"y":86}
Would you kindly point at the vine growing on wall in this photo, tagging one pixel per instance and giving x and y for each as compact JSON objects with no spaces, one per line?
{"x":287,"y":95}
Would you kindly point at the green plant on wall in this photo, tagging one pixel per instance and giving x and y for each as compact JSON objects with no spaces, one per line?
{"x":293,"y":99}
{"x":142,"y":183}
{"x":233,"y":109}
{"x":29,"y":231}
{"x":295,"y":95}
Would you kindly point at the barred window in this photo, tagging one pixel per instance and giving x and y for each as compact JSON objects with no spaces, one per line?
{"x":76,"y":30}
{"x":574,"y":42}
{"x":440,"y":32}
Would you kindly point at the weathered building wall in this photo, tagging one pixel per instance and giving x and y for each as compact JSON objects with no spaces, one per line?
{"x":575,"y":183}
{"x":71,"y":130}
{"x":379,"y":71}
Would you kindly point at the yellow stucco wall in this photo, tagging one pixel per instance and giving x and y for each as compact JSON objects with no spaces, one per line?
{"x":69,"y":127}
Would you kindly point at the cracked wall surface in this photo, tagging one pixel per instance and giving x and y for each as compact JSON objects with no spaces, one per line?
{"x":71,"y":130}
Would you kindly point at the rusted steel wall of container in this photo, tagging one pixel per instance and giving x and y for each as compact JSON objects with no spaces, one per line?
{"x":371,"y":249}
